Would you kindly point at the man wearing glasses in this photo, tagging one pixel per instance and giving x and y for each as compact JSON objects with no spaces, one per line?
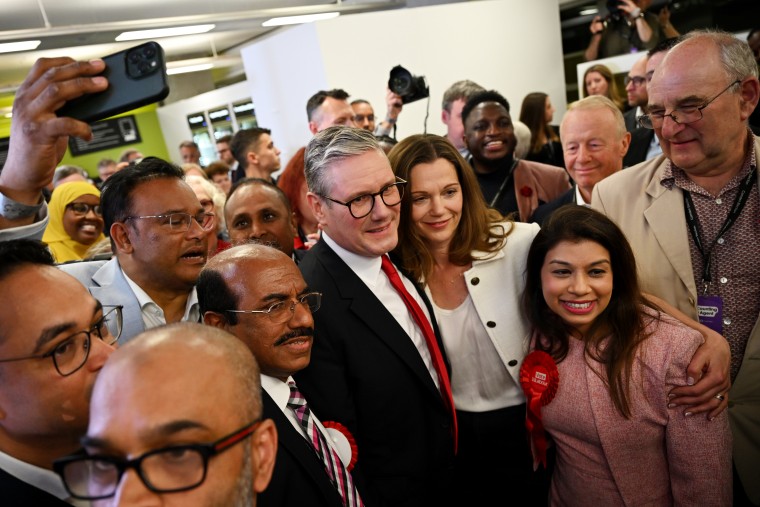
{"x":175,"y":420}
{"x":377,"y":366}
{"x":54,"y":339}
{"x":159,"y":235}
{"x":257,"y":293}
{"x":691,"y":216}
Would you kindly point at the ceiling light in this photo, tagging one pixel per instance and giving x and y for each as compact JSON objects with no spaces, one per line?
{"x":164,"y":32}
{"x":586,"y":12}
{"x":295,"y":20}
{"x":189,"y":68}
{"x":27,"y":45}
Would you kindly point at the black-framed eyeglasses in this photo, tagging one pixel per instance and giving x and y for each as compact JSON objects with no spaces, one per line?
{"x":80,"y":209}
{"x":636,"y":80}
{"x":681,"y":115}
{"x":361,"y":206}
{"x":72,"y":352}
{"x":167,"y":470}
{"x":180,"y":222}
{"x":282,"y":311}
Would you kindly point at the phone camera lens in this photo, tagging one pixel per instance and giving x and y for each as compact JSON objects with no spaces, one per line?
{"x":143,"y":67}
{"x":149,"y":52}
{"x":134,"y":57}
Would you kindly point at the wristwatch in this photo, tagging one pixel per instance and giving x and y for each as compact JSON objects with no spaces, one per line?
{"x":12,"y":210}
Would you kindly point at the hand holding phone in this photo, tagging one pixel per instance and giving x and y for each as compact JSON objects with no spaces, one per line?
{"x":136,"y":77}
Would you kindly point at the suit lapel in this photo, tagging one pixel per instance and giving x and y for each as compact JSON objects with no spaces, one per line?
{"x":665,"y":216}
{"x":379,"y":322}
{"x":295,"y":444}
{"x":110,"y":287}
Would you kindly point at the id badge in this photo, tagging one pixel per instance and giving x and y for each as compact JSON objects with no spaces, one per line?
{"x":710,"y":312}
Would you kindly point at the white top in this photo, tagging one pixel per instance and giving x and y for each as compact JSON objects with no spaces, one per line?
{"x":479,"y":380}
{"x":153,"y":315}
{"x":579,"y":198}
{"x":279,"y":391}
{"x":655,"y":149}
{"x":369,"y":271}
{"x":40,"y":478}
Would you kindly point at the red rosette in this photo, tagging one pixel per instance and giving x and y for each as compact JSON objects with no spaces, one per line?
{"x":539,"y":378}
{"x":350,"y":440}
{"x":526,"y":191}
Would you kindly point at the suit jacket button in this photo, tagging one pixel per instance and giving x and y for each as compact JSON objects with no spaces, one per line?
{"x":475,"y":281}
{"x":491,"y":323}
{"x":513,"y":362}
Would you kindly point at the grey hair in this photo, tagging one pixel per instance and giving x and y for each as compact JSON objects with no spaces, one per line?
{"x":593,"y":102}
{"x":735,"y":54}
{"x":331,"y":145}
{"x":460,"y":90}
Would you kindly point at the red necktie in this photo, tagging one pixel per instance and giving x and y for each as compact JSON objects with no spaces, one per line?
{"x":427,"y":331}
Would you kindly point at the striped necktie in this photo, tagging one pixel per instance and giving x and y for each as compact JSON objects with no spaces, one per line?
{"x":339,"y":476}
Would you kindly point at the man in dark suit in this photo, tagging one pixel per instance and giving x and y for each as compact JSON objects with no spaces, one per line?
{"x":594,"y":142}
{"x":257,"y":293}
{"x":373,"y":366}
{"x":51,"y":350}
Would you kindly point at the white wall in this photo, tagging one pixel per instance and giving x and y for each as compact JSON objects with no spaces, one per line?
{"x":513,"y":46}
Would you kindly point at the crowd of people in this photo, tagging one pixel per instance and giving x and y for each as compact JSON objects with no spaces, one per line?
{"x":437,"y":321}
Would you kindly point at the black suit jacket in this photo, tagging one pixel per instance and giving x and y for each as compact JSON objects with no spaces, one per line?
{"x":545,"y":210}
{"x":630,"y":119}
{"x":299,"y":477}
{"x":366,"y":373}
{"x":641,"y":138}
{"x":17,"y":493}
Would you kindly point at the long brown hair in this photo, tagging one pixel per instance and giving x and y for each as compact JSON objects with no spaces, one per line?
{"x":616,"y":334}
{"x":613,"y":93}
{"x":533,"y":114}
{"x":476,"y":230}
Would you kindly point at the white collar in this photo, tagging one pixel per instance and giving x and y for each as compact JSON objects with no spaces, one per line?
{"x":40,"y":478}
{"x":278,"y":390}
{"x":579,"y":197}
{"x":143,"y":299}
{"x":366,"y":268}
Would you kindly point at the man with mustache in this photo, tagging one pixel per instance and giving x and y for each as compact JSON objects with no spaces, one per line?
{"x":510,"y":185}
{"x":159,"y":237}
{"x":257,"y":293}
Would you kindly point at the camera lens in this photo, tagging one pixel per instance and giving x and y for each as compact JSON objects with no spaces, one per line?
{"x":143,"y":67}
{"x":134,"y":57}
{"x":400,"y":84}
{"x":149,"y":52}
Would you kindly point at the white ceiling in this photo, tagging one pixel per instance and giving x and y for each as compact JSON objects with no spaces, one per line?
{"x":84,"y":29}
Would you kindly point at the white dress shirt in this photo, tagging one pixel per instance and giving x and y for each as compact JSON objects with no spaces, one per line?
{"x":153,"y":315}
{"x":41,"y":478}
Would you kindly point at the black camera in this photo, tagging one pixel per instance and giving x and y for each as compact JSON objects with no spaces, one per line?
{"x":408,"y":86}
{"x":613,"y":7}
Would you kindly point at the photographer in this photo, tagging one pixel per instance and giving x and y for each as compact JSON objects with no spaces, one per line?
{"x":627,"y":28}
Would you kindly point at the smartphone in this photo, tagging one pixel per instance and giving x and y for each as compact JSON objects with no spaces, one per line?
{"x":136,"y":77}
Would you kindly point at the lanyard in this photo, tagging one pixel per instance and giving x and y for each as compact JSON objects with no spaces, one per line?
{"x":693,"y":222}
{"x":503,"y":186}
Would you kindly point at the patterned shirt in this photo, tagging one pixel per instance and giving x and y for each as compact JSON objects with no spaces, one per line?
{"x":735,"y":263}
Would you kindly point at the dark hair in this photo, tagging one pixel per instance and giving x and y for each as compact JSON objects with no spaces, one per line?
{"x":116,"y":194}
{"x":217,"y":167}
{"x":477,"y":228}
{"x":479,"y":98}
{"x":246,"y":182}
{"x":243,"y":141}
{"x":215,"y":296}
{"x":291,"y":181}
{"x":316,"y":100}
{"x":616,"y":334}
{"x":224,"y":139}
{"x":533,"y":114}
{"x":360,"y":101}
{"x":17,"y":253}
{"x":664,"y":45}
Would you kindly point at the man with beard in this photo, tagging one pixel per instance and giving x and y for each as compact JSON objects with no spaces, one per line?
{"x":257,"y":293}
{"x":161,"y":433}
{"x":510,"y":185}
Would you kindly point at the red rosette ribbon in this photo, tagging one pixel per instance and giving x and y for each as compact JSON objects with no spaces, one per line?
{"x":332,"y":427}
{"x":539,"y":378}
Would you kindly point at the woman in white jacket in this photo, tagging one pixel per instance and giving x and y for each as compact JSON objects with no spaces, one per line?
{"x":471,"y":261}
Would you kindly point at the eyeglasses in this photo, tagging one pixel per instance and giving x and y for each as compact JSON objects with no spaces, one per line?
{"x":167,"y":470}
{"x":80,"y":209}
{"x":636,"y":80}
{"x":359,"y":118}
{"x":180,"y":222}
{"x":207,"y":205}
{"x":72,"y":352}
{"x":361,"y":206}
{"x":681,"y":115}
{"x":282,"y":311}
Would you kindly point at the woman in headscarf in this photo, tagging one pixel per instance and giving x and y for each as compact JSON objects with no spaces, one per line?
{"x":76,"y":221}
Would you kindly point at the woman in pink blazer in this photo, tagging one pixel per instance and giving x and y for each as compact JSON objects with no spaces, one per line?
{"x":617,"y":357}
